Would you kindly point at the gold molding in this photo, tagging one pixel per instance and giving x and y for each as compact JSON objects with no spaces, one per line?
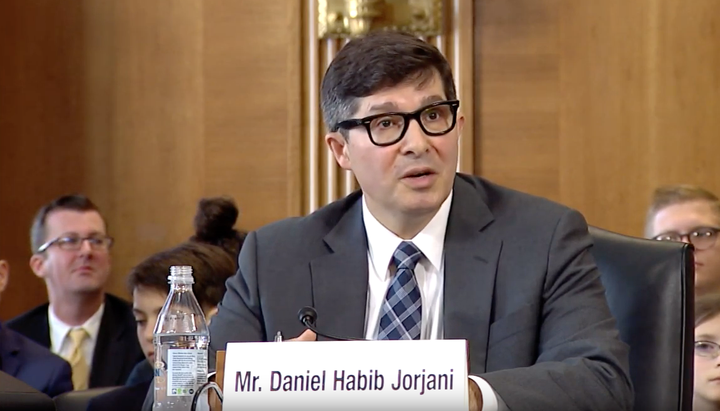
{"x":351,"y":18}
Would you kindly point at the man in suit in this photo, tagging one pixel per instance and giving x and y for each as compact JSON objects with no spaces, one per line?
{"x":92,"y":330}
{"x":29,"y":362}
{"x":690,"y":214}
{"x":509,"y":272}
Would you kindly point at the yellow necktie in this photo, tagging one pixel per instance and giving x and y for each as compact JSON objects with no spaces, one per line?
{"x":80,"y":367}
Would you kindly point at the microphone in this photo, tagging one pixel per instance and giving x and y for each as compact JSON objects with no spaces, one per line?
{"x":308,"y":316}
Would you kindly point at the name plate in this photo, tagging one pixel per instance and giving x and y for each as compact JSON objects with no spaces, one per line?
{"x":347,"y":375}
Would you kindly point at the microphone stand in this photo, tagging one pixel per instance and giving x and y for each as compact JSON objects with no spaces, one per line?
{"x":307,"y":316}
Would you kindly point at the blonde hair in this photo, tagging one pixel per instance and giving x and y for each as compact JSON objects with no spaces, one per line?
{"x":666,"y":196}
{"x":706,"y":307}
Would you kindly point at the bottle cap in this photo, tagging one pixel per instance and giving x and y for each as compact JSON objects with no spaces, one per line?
{"x":181,"y":274}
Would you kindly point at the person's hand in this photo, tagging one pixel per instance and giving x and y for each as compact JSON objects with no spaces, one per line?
{"x":476,"y":400}
{"x":307,"y":335}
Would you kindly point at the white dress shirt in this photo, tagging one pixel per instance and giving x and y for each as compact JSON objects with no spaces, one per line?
{"x":429,"y":273}
{"x":60,"y":343}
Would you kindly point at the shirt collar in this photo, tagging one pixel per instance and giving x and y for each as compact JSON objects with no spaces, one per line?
{"x":383,"y":242}
{"x":59,"y":329}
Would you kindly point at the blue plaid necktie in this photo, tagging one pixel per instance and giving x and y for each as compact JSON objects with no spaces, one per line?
{"x":401,"y":312}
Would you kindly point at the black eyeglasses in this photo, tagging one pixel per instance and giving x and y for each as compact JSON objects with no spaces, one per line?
{"x":74,"y":242}
{"x":707,"y":349}
{"x":701,"y":238}
{"x":386,"y":129}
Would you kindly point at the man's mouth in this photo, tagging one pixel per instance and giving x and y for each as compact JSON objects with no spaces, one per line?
{"x":418,"y":173}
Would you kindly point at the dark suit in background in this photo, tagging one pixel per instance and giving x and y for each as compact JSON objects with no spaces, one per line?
{"x":143,"y":372}
{"x":33,"y":364}
{"x":520,"y":286}
{"x":116,"y":351}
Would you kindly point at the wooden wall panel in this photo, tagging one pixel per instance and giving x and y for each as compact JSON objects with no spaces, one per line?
{"x":41,"y":128}
{"x":252,"y":64}
{"x":154,"y":136}
{"x":517,"y":80}
{"x":603,"y":138}
{"x":145,"y":107}
{"x":685,"y":112}
{"x":594,"y":104}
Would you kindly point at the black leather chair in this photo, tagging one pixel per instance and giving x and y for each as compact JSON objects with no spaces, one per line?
{"x":78,"y":400}
{"x":650,"y":290}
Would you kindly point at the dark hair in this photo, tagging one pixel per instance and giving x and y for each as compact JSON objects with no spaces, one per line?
{"x":706,"y":307}
{"x":212,"y":266}
{"x":214,"y":224}
{"x":376,"y":61}
{"x":677,"y":194}
{"x":212,"y":252}
{"x":72,"y":202}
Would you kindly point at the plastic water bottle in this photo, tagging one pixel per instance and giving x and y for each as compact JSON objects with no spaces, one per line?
{"x":181,"y":340}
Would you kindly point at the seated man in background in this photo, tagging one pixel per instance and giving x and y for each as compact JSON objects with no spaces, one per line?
{"x":212,"y":252}
{"x":28,"y":361}
{"x":690,"y":214}
{"x":706,"y":395}
{"x":92,"y":330}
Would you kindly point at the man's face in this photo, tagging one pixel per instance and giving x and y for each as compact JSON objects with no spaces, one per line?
{"x":413,"y":176}
{"x":707,"y":370}
{"x":65,"y":271}
{"x":686,"y":218}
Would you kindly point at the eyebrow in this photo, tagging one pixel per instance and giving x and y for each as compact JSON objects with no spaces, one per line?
{"x":387,"y":106}
{"x":432,"y":99}
{"x":75,"y":233}
{"x":705,"y":337}
{"x":391,"y":106}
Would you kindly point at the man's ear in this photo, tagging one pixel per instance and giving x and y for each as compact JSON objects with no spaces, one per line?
{"x":37,"y":264}
{"x":460,"y":123}
{"x":4,"y":274}
{"x":339,"y":146}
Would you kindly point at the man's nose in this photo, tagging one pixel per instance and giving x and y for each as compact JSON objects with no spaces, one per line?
{"x":85,"y":246}
{"x":415,"y":140}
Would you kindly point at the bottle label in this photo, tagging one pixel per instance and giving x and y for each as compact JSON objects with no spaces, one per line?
{"x":186,"y":371}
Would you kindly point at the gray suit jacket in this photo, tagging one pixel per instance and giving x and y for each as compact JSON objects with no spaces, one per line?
{"x":520,"y":286}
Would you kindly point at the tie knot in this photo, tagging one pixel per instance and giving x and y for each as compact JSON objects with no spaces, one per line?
{"x":406,"y":256}
{"x":78,"y":335}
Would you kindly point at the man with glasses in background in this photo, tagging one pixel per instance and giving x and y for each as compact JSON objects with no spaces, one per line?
{"x":423,"y":252}
{"x":689,"y":214}
{"x":92,"y":330}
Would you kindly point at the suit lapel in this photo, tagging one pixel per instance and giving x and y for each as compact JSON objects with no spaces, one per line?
{"x":109,"y":355}
{"x":9,"y":352}
{"x":44,"y":330}
{"x":471,"y":258}
{"x":38,"y":327}
{"x":340,"y":279}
